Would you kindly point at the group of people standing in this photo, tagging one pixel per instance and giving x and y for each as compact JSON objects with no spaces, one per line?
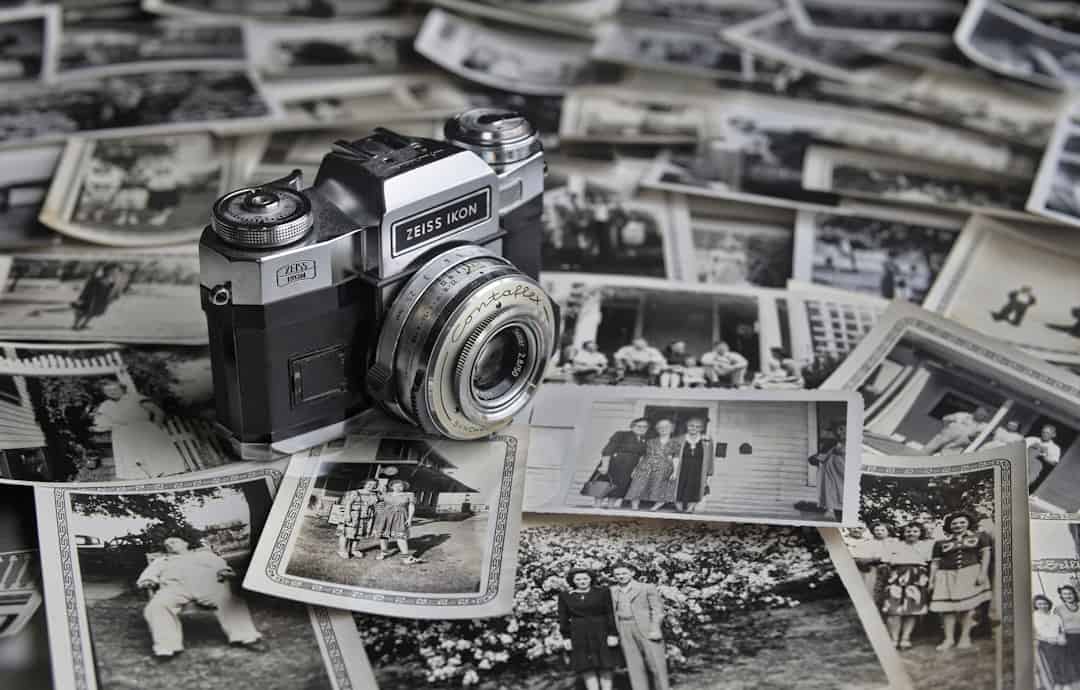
{"x":910,"y":575}
{"x":649,"y":462}
{"x":595,"y":621}
{"x":368,"y":513}
{"x":1057,"y":636}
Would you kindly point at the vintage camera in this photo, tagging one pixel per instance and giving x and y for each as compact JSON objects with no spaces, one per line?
{"x":405,"y":277}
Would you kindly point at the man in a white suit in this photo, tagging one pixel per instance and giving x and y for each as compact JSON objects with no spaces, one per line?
{"x":638,"y":615}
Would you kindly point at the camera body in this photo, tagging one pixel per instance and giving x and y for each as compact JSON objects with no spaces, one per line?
{"x":404,"y":277}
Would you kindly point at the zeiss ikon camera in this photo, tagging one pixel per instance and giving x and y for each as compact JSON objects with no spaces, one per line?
{"x":404,"y":278}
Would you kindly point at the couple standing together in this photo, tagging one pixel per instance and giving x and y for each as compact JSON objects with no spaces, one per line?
{"x":663,"y":468}
{"x":594,"y":620}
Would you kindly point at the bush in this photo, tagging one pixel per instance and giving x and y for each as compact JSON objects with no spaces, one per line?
{"x":703,"y":574}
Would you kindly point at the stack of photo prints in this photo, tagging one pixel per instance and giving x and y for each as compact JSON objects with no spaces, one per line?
{"x":813,"y":420}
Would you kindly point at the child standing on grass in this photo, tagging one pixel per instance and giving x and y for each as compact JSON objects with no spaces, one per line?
{"x":395,"y":519}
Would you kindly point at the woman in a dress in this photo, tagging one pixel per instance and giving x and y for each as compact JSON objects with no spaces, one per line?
{"x":94,"y":298}
{"x":1069,"y":612}
{"x":869,"y":555}
{"x":141,"y":445}
{"x":395,"y":519}
{"x":907,"y":582}
{"x":587,"y":624}
{"x":654,"y":478}
{"x":830,"y":464}
{"x":358,"y":505}
{"x":1050,"y":645}
{"x":695,"y":466}
{"x":960,"y":577}
{"x":619,"y":457}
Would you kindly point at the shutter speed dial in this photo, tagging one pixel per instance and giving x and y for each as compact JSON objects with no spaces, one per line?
{"x":262,"y":217}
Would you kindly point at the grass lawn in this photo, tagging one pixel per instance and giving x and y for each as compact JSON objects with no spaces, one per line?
{"x":125,"y":660}
{"x":815,"y":646}
{"x":956,"y":669}
{"x":451,"y":553}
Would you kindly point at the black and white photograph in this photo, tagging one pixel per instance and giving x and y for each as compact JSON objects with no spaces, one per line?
{"x":1034,"y":304}
{"x":133,"y":103}
{"x":1017,"y":112}
{"x":103,"y":412}
{"x":681,"y":51}
{"x":593,"y":228}
{"x":28,"y":37}
{"x":1055,"y":602}
{"x":893,"y":179}
{"x":94,"y":296}
{"x":134,"y":46}
{"x":942,"y":547}
{"x":913,"y":21}
{"x":1055,"y":194}
{"x":823,"y":325}
{"x":401,"y":525}
{"x":578,"y":18}
{"x":748,"y":163}
{"x":931,"y":386}
{"x":695,"y":13}
{"x":367,"y":48}
{"x":893,"y":255}
{"x":748,"y":245}
{"x":776,"y":36}
{"x":141,"y":191}
{"x":770,"y":457}
{"x":633,"y":605}
{"x":25,"y":176}
{"x":619,"y":331}
{"x":504,"y":58}
{"x":20,"y":564}
{"x":1007,"y":41}
{"x":143,"y":581}
{"x":620,"y":115}
{"x":209,"y":11}
{"x":372,"y":101}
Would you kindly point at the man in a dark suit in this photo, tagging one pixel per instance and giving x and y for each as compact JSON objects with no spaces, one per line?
{"x":639,"y":613}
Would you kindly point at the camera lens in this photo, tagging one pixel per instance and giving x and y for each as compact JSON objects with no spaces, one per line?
{"x":464,"y":344}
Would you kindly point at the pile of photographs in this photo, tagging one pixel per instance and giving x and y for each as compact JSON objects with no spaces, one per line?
{"x":816,"y":393}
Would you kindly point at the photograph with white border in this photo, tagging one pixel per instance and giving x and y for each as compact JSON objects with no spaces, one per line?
{"x":400,"y":525}
{"x":578,"y":18}
{"x":212,"y":11}
{"x":931,"y":386}
{"x":140,"y":572}
{"x":25,"y":176}
{"x":1055,"y":194}
{"x":1018,"y":284}
{"x":914,"y":21}
{"x":1055,"y":580}
{"x":135,"y":103}
{"x":680,"y":50}
{"x":737,"y":244}
{"x":372,"y":47}
{"x":1009,"y":42}
{"x":713,"y":605}
{"x":504,"y":58}
{"x":78,"y":413}
{"x":94,"y":296}
{"x":621,"y":115}
{"x":28,"y":36}
{"x":775,"y":457}
{"x":144,"y":191}
{"x":889,"y":178}
{"x":874,"y":250}
{"x":942,"y":547}
{"x":776,"y":36}
{"x":595,"y":224}
{"x":115,"y":48}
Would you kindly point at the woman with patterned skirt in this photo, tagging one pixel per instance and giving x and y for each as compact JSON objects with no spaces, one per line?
{"x":906,"y":573}
{"x":960,"y":577}
{"x":654,"y":477}
{"x":394,"y":521}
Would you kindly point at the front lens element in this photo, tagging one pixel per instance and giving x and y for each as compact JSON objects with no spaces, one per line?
{"x":500,"y":364}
